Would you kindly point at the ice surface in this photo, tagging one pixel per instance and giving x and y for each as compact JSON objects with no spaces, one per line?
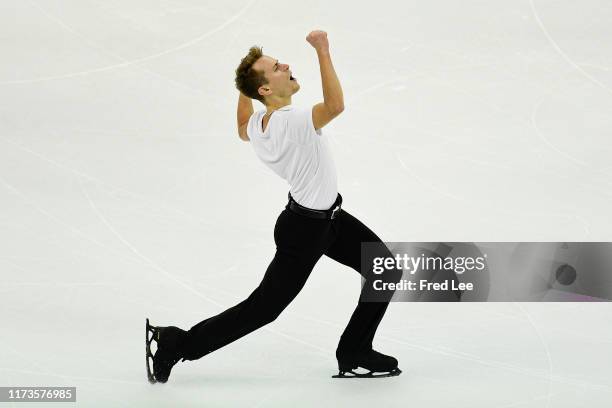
{"x":125,"y":192}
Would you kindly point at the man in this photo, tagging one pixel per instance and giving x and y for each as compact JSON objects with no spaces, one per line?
{"x":289,"y":140}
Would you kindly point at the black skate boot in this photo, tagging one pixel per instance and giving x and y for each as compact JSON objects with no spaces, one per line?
{"x":168,"y":340}
{"x":376,"y":364}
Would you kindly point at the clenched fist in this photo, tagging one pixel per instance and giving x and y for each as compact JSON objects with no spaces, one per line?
{"x":318,"y":39}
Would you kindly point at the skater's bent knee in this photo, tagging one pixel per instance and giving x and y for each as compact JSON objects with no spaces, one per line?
{"x":393,"y":275}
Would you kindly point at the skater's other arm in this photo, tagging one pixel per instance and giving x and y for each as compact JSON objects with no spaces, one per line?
{"x":245,"y":110}
{"x":333,"y":99}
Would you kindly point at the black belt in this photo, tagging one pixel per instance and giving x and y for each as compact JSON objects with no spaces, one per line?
{"x":320,"y":214}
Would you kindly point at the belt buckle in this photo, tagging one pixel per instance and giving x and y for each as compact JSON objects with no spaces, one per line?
{"x":335,"y":211}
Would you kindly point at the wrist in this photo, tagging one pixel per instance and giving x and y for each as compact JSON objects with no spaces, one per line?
{"x":323,"y":52}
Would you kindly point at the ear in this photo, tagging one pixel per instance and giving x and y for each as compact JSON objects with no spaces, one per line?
{"x":264,"y":90}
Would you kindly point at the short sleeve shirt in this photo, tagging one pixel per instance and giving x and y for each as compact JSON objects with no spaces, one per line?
{"x":298,"y":153}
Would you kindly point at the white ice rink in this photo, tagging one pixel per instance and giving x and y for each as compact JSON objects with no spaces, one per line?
{"x":125,"y":192}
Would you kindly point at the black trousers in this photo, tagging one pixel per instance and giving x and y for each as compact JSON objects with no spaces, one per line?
{"x":300,"y":242}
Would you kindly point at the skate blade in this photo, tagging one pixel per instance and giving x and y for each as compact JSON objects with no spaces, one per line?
{"x":148,"y":354}
{"x":372,"y":374}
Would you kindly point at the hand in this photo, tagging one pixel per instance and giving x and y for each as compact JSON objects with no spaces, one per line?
{"x":318,"y":39}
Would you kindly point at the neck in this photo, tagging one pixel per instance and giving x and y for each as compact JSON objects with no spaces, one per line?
{"x":273,"y":105}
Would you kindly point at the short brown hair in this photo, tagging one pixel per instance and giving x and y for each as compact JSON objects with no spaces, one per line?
{"x":248,"y":80}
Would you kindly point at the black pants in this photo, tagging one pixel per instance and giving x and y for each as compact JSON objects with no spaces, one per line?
{"x":300,"y":242}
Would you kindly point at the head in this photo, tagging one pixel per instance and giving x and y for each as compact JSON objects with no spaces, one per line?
{"x":265,"y":78}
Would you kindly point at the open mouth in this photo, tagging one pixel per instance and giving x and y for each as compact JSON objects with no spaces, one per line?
{"x":291,"y":78}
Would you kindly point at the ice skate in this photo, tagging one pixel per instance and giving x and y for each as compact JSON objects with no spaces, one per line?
{"x":168,"y":340}
{"x":374,"y":364}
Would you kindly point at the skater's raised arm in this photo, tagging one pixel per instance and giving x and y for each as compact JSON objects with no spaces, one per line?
{"x":333,"y":99}
{"x":245,"y":110}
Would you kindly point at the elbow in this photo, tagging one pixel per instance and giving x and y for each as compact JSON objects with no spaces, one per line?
{"x":336,"y":109}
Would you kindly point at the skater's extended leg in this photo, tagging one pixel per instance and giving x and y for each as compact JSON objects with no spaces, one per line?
{"x":300,"y":243}
{"x":284,"y":278}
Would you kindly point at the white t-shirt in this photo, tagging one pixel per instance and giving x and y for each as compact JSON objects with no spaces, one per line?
{"x":294,"y":150}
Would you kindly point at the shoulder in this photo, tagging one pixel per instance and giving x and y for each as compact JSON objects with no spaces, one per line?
{"x":292,"y":110}
{"x":257,"y":114}
{"x":254,"y":119}
{"x":299,"y":118}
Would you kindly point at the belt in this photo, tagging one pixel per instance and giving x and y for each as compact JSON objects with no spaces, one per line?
{"x":320,"y":214}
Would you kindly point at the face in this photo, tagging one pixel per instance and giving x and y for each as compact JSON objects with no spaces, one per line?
{"x":280,"y":81}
